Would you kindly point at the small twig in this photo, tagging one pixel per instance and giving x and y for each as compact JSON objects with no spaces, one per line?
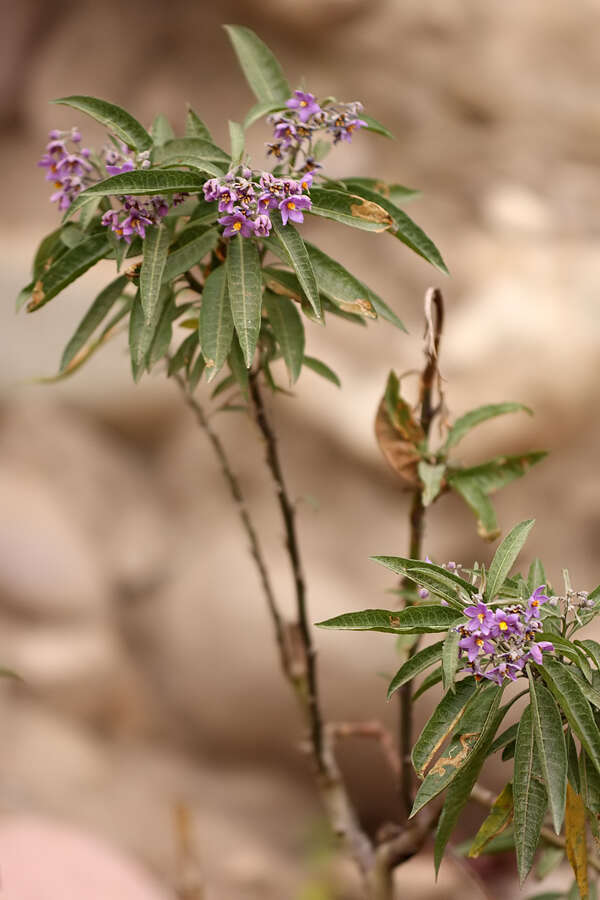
{"x":235,"y":490}
{"x":293,"y":548}
{"x":487,"y":798}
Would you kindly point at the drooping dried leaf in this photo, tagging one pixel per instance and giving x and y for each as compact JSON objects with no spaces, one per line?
{"x":576,"y":840}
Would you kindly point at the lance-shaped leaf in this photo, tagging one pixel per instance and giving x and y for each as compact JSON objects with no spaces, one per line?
{"x":397,"y":193}
{"x":163,"y":334}
{"x":216,"y":322}
{"x":414,"y":665}
{"x":195,"y":373}
{"x":142,"y":330}
{"x":376,"y":127}
{"x":260,"y":110}
{"x":499,"y":818}
{"x":86,"y":352}
{"x":161,"y":130}
{"x":589,"y":782}
{"x":530,"y":793}
{"x":479,"y":503}
{"x":184,"y":354}
{"x":475,"y":417}
{"x":430,"y":681}
{"x":403,"y":228}
{"x":50,"y":248}
{"x":442,"y":723}
{"x":190,"y":150}
{"x":432,"y":476}
{"x":195,"y":127}
{"x":575,"y":836}
{"x":505,"y":738}
{"x":190,"y":254}
{"x":460,"y":789}
{"x":450,"y":659}
{"x":294,"y":252}
{"x":146,"y":181}
{"x":67,"y":268}
{"x":434,"y":578}
{"x":339,"y":286}
{"x":92,"y":319}
{"x":552,"y":750}
{"x":505,"y":557}
{"x":117,"y":120}
{"x":263,"y":73}
{"x":238,"y":141}
{"x":536,"y":575}
{"x":412,"y":620}
{"x":288,"y":329}
{"x":572,"y":762}
{"x":238,"y":367}
{"x":321,"y":369}
{"x":156,"y":247}
{"x":349,"y":209}
{"x":565,"y":647}
{"x":569,"y":696}
{"x":447,"y":767}
{"x":591,"y":648}
{"x":245,"y":293}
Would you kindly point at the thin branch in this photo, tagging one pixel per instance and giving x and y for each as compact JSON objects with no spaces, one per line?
{"x":293,"y":548}
{"x":279,"y":625}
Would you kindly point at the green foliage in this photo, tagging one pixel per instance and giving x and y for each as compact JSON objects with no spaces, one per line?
{"x":116,"y":120}
{"x":412,"y":620}
{"x":263,"y":73}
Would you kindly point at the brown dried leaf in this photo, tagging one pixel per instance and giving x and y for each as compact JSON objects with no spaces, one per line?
{"x":370,"y":211}
{"x":575,"y":831}
{"x":277,"y":288}
{"x":358,"y":307}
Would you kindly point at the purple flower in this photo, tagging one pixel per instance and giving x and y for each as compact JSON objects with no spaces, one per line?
{"x":237,"y":223}
{"x":136,"y":222}
{"x":305,"y":105}
{"x":285,"y":132}
{"x":262,"y":225}
{"x":423,"y":593}
{"x":126,"y":166}
{"x":474,"y":645}
{"x":266,"y":202}
{"x":480,"y":618}
{"x":501,"y":671}
{"x":211,"y":189}
{"x":291,"y":208}
{"x":306,"y":181}
{"x":535,"y":601}
{"x":161,"y":207}
{"x":227,"y":198}
{"x":536,"y":650}
{"x":505,"y":624}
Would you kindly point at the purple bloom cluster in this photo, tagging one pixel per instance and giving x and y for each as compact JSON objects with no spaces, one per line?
{"x":497,"y":643}
{"x":295,"y":129}
{"x":68,"y":167}
{"x":249,"y":198}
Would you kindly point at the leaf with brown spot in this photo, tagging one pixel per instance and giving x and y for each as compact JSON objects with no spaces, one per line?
{"x":358,"y":308}
{"x":372,"y":212}
{"x":575,"y":832}
{"x":398,"y":433}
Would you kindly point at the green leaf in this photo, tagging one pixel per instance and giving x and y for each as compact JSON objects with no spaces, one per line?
{"x":238,"y":367}
{"x":23,"y":296}
{"x":161,"y":130}
{"x":142,"y":330}
{"x":263,"y":109}
{"x":552,"y":750}
{"x":190,"y":254}
{"x":430,"y":681}
{"x":589,"y":780}
{"x":350,"y":209}
{"x":263,"y":72}
{"x":461,"y":786}
{"x":238,"y":142}
{"x":92,"y":319}
{"x":505,"y":557}
{"x":549,"y":859}
{"x":499,"y":818}
{"x":572,"y":762}
{"x":447,"y":767}
{"x":156,"y":247}
{"x":397,"y":193}
{"x":321,"y":369}
{"x":412,"y":620}
{"x":377,"y":127}
{"x":414,"y":665}
{"x":531,"y":794}
{"x":216,"y":322}
{"x":536,"y":576}
{"x":117,"y":120}
{"x":495,"y":473}
{"x":475,"y":417}
{"x":443,"y":583}
{"x":196,"y":373}
{"x":450,"y":659}
{"x":504,"y":739}
{"x":296,"y":254}
{"x":164,"y":332}
{"x":479,"y":503}
{"x":403,"y":228}
{"x":288,"y":329}
{"x":343,"y":289}
{"x":71,"y":235}
{"x":432,"y":477}
{"x":592,"y":648}
{"x":146,"y":181}
{"x":245,"y":293}
{"x":67,"y":268}
{"x":441,"y":724}
{"x":195,"y":127}
{"x":191,"y":150}
{"x":50,"y":248}
{"x":571,"y":651}
{"x":184,"y":354}
{"x":574,"y":705}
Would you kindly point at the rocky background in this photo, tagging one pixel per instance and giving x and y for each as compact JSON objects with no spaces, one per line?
{"x":152,"y":750}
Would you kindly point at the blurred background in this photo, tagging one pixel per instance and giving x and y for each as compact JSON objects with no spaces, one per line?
{"x":153,"y":750}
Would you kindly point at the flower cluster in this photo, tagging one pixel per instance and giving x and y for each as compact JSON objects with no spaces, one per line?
{"x":249,"y":198}
{"x":497,"y":643}
{"x":295,"y":129}
{"x":68,"y":166}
